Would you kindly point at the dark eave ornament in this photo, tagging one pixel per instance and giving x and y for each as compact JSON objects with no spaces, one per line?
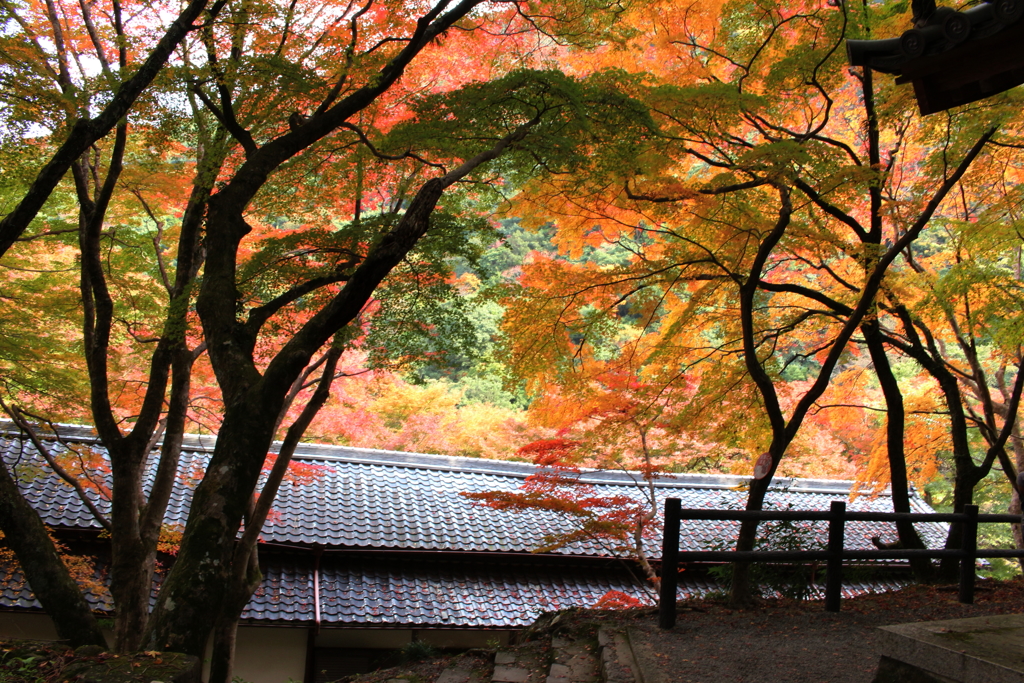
{"x":951,"y":57}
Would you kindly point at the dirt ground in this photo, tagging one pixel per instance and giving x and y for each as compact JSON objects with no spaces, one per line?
{"x":779,"y":641}
{"x":789,"y":642}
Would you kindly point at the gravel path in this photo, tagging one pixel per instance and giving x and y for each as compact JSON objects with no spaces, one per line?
{"x":786,"y":642}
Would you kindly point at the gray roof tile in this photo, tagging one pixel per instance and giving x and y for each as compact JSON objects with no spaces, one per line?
{"x":374,"y":591}
{"x":15,"y":591}
{"x":381,"y":499}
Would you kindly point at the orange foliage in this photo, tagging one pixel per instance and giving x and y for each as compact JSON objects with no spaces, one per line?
{"x":549,"y":452}
{"x":633,"y":327}
{"x":618,"y":600}
{"x":170,"y":538}
{"x":83,"y":568}
{"x":381,"y":410}
{"x":927,"y":438}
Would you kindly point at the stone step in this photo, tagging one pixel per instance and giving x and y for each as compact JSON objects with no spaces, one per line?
{"x":574,"y":661}
{"x":457,"y":674}
{"x":471,"y":667}
{"x":508,"y":668}
{"x":564,"y":658}
{"x":617,"y":662}
{"x":527,"y":663}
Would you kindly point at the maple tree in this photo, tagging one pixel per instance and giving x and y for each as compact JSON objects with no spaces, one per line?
{"x":618,"y":524}
{"x":253,"y":398}
{"x":59,"y":94}
{"x":959,"y":324}
{"x":268,"y":195}
{"x":805,"y":188}
{"x":61,"y":66}
{"x":737,"y":219}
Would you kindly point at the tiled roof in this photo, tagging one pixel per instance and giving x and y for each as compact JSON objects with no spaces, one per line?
{"x":14,"y":590}
{"x":360,"y":502}
{"x":371,"y":499}
{"x":374,"y":591}
{"x":15,"y":593}
{"x":460,"y":592}
{"x":475,"y":594}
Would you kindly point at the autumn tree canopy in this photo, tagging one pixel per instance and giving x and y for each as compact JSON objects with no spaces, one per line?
{"x":239,"y":219}
{"x":760,"y":267}
{"x":740,"y":245}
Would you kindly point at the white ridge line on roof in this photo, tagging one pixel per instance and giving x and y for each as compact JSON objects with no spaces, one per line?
{"x":454,"y":463}
{"x":518,"y":470}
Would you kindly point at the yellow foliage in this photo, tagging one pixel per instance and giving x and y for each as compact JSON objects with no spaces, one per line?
{"x":926,"y":438}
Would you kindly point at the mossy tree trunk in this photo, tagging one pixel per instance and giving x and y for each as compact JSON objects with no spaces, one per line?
{"x":53,"y":586}
{"x":192,"y":599}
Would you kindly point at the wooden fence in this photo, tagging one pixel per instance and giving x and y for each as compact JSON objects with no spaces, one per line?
{"x":833,"y":555}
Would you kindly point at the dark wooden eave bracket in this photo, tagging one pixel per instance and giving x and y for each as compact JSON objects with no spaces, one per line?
{"x":957,"y":58}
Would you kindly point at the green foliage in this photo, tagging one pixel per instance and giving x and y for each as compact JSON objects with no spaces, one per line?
{"x":993,"y":496}
{"x":421,"y":315}
{"x":709,"y":110}
{"x":477,"y":372}
{"x":22,"y":664}
{"x":23,"y":661}
{"x":296,"y":256}
{"x":773,"y":159}
{"x":503,"y":258}
{"x":418,"y":650}
{"x":566,"y":117}
{"x":40,"y":359}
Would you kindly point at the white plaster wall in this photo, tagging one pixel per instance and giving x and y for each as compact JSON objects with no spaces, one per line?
{"x":384,"y":639}
{"x":277,"y":654}
{"x":26,"y":626}
{"x":270,"y":655}
{"x":35,"y":626}
{"x":395,"y":639}
{"x":262,"y":655}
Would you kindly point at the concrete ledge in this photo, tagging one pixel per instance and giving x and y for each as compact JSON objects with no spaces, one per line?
{"x":979,"y":650}
{"x":892,"y":671}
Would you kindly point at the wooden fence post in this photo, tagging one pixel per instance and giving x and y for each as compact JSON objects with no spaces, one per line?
{"x":669,"y":565}
{"x":834,"y":568}
{"x":969,"y":546}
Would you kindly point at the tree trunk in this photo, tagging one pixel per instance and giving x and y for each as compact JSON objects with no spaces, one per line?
{"x":964,"y":472}
{"x":741,"y":592}
{"x":225,"y":633}
{"x":191,"y":600}
{"x":53,"y":586}
{"x":1018,"y":538}
{"x":894,"y":429}
{"x":131,"y":581}
{"x":192,"y":596}
{"x":136,"y":519}
{"x":1015,"y":500}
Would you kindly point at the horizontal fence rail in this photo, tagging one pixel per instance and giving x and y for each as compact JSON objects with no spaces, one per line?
{"x":833,"y":555}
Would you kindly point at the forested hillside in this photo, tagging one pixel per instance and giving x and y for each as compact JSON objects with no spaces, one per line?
{"x":662,"y":236}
